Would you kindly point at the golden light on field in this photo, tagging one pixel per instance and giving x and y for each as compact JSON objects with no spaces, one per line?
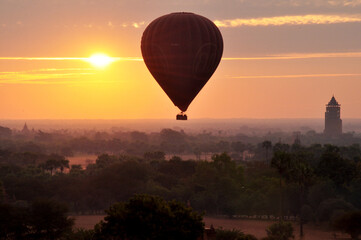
{"x":100,"y":60}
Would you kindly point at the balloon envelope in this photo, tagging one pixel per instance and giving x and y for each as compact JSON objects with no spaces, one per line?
{"x":182,"y":51}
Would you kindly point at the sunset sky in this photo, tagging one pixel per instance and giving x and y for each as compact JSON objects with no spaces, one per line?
{"x":282,"y":59}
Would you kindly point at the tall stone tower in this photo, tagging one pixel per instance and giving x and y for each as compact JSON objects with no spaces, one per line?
{"x":333,"y":122}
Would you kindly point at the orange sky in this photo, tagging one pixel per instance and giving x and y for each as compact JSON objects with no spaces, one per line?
{"x":282,"y":59}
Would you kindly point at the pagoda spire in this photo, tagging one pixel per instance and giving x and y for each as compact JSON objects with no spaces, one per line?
{"x":25,"y":129}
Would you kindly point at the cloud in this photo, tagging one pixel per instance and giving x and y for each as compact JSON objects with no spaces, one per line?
{"x":138,"y":24}
{"x":346,"y":3}
{"x":68,"y":58}
{"x":298,"y":56}
{"x":43,"y":58}
{"x":288,"y":20}
{"x":140,"y":59}
{"x":45,"y":75}
{"x":302,"y":3}
{"x":300,"y":76}
{"x":36,"y":78}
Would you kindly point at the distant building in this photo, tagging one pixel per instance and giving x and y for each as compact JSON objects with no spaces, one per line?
{"x":25,"y":130}
{"x":333,"y":122}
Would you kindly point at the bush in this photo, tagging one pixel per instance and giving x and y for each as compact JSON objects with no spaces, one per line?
{"x":280,"y":231}
{"x":330,"y":207}
{"x":80,"y":234}
{"x":222,"y":234}
{"x":349,"y":223}
{"x":44,"y":219}
{"x":152,"y":218}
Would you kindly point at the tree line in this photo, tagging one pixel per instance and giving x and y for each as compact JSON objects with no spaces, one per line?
{"x":317,"y":179}
{"x":316,"y":183}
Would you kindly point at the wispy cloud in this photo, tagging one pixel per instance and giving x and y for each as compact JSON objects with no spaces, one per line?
{"x":298,"y":3}
{"x":45,"y":76}
{"x":291,"y":56}
{"x":138,"y":24}
{"x":288,"y":20}
{"x":299,"y":76}
{"x":346,"y":3}
{"x":21,"y":78}
{"x":267,"y":57}
{"x":68,"y":58}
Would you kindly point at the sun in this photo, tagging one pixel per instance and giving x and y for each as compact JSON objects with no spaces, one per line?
{"x":100,"y":60}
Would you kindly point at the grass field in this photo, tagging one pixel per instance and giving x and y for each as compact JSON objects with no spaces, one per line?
{"x":254,"y":227}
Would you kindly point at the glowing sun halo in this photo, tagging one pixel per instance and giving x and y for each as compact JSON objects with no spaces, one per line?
{"x":100,"y":60}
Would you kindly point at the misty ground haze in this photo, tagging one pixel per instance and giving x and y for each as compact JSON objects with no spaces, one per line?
{"x":192,"y":125}
{"x":227,"y":126}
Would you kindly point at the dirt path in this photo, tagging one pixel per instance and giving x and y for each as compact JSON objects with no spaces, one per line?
{"x":254,"y":227}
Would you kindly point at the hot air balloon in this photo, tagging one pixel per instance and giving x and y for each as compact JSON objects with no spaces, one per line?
{"x":182,"y":51}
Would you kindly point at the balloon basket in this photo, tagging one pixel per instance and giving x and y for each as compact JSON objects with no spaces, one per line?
{"x":182,"y":116}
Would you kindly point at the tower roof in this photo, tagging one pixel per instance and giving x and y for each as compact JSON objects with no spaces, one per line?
{"x":333,"y":101}
{"x":25,"y":129}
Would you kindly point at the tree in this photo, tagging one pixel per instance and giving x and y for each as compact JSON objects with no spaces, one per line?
{"x":13,"y":222}
{"x":301,"y":174}
{"x":330,"y":207}
{"x":349,"y":223}
{"x":319,"y":192}
{"x":280,"y":231}
{"x":238,"y":146}
{"x":45,"y":219}
{"x":281,"y":147}
{"x":150,"y":217}
{"x":172,"y":141}
{"x":105,"y":160}
{"x":63,"y":163}
{"x":2,"y":192}
{"x":5,"y":132}
{"x":76,"y":169}
{"x":267,"y":145}
{"x":341,"y":171}
{"x":80,"y":234}
{"x":154,"y":156}
{"x":48,"y":220}
{"x":282,"y":162}
{"x":50,"y":165}
{"x":139,"y":136}
{"x":55,"y":162}
{"x":234,"y":234}
{"x":217,"y":185}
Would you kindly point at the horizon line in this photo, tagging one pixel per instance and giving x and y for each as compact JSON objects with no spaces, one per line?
{"x":205,"y":118}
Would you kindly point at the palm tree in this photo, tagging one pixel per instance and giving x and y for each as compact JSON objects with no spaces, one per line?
{"x":282,"y":162}
{"x":302,"y":175}
{"x":267,"y":145}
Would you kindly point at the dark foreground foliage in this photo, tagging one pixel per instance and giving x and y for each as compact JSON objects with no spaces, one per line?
{"x":150,"y":217}
{"x":44,"y":219}
{"x":255,"y":178}
{"x":280,"y":231}
{"x":349,"y":223}
{"x":234,"y":234}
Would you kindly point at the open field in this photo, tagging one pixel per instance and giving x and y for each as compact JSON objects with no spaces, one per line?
{"x":83,"y":160}
{"x":254,"y":227}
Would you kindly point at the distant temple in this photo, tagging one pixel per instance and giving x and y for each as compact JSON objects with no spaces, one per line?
{"x":25,"y":129}
{"x":333,"y":122}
